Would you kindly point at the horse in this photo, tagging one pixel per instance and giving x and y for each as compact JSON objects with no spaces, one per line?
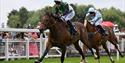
{"x":61,"y":37}
{"x":96,"y":38}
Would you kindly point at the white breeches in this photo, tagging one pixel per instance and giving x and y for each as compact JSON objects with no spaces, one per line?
{"x":68,"y":16}
{"x":98,"y":22}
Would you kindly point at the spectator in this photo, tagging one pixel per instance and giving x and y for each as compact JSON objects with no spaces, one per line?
{"x":1,"y":39}
{"x":34,"y":36}
{"x":6,"y":35}
{"x":116,"y":29}
{"x":0,"y":36}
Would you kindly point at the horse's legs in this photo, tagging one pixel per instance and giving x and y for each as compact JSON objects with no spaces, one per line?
{"x":85,"y":41}
{"x":99,"y":61}
{"x":114,"y":41}
{"x":88,"y":45}
{"x":98,"y":55}
{"x":116,"y":46}
{"x":106,"y":49}
{"x":85,"y":49}
{"x":80,"y":51}
{"x":63,"y":54}
{"x":48,"y":46}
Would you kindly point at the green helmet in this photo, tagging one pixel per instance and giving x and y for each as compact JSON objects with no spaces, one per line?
{"x":58,"y":1}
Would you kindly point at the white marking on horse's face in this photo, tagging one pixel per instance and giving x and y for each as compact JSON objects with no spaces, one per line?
{"x":85,"y":23}
{"x":38,"y":27}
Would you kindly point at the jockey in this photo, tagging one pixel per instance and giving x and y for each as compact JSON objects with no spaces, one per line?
{"x":96,"y":19}
{"x":66,"y":13}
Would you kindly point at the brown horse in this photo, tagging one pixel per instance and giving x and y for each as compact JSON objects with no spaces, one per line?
{"x":60,"y":36}
{"x":96,"y":38}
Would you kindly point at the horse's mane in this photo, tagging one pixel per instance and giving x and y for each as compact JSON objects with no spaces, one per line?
{"x":50,"y":14}
{"x":56,"y":19}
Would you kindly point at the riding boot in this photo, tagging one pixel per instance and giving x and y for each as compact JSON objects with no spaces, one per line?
{"x":102,"y":31}
{"x":72,"y":30}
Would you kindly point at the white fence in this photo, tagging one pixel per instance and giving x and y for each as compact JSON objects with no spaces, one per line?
{"x":40,"y":44}
{"x":9,"y":46}
{"x":11,"y":52}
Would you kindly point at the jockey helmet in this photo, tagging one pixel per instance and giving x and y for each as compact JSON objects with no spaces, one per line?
{"x":91,"y":9}
{"x":58,"y":0}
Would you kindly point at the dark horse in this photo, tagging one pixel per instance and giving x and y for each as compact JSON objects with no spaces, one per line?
{"x":96,"y":38}
{"x":60,"y":36}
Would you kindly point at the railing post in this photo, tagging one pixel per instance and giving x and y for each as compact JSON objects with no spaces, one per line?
{"x":27,"y":48}
{"x":122,"y":44}
{"x":6,"y":49}
{"x":109,"y":46}
{"x":40,"y":52}
{"x":42,"y":45}
{"x":118,"y":48}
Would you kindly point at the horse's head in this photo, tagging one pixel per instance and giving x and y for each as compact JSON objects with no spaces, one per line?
{"x":47,"y":21}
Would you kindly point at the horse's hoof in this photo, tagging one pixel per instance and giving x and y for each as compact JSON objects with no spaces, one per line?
{"x":113,"y":61}
{"x":84,"y":62}
{"x":81,"y":62}
{"x":122,"y":56}
{"x":36,"y":61}
{"x":96,"y":57}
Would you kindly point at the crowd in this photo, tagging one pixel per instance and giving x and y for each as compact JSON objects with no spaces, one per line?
{"x":18,"y":48}
{"x":19,"y":35}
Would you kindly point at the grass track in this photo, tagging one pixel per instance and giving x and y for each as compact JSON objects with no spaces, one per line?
{"x":104,"y":59}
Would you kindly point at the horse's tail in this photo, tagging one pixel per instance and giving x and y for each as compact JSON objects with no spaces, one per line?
{"x":112,"y":34}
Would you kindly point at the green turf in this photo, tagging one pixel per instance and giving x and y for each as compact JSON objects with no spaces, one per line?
{"x":104,"y":59}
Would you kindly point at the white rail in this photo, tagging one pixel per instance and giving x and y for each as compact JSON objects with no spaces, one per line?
{"x":41,"y":42}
